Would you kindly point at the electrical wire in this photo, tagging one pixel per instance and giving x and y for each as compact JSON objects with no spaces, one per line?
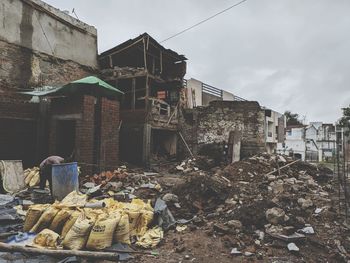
{"x":203,"y":21}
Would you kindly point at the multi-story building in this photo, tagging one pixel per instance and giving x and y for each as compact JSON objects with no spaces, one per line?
{"x":314,"y":142}
{"x":275,"y":124}
{"x":151,"y":77}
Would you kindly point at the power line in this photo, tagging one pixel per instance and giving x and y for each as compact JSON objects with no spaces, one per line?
{"x":203,"y":21}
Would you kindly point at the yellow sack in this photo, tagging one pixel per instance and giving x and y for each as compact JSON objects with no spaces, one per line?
{"x":35,"y":179}
{"x":46,"y":238}
{"x":101,"y":235}
{"x":60,"y":219}
{"x":140,"y":215}
{"x":30,"y":174}
{"x":45,"y":219}
{"x":134,"y":218}
{"x":69,"y":223}
{"x":78,"y":234}
{"x":74,"y":199}
{"x":151,"y":238}
{"x":33,"y":215}
{"x":140,"y":226}
{"x":122,"y":231}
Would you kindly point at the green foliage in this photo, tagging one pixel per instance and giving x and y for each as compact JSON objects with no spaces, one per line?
{"x":292,"y":118}
{"x":345,"y":120}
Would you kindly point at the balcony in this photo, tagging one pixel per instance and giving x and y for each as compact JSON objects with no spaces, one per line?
{"x":162,"y":115}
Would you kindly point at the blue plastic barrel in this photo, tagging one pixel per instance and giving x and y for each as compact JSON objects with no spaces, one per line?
{"x":64,"y":179}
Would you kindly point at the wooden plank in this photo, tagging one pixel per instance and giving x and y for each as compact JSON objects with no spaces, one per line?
{"x":133,"y":95}
{"x":275,"y":170}
{"x":188,"y":148}
{"x":60,"y":253}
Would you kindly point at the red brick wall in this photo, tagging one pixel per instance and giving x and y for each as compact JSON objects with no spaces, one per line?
{"x":85,"y":135}
{"x":82,"y":109}
{"x":109,"y":152}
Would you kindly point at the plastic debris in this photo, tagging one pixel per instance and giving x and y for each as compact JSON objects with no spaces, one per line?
{"x":292,"y":247}
{"x":151,"y":238}
{"x":165,"y":217}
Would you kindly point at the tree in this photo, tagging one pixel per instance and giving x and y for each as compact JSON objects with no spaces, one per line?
{"x":345,"y":120}
{"x":292,"y":118}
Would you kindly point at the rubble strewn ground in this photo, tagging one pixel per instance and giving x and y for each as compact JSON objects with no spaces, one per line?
{"x":267,"y":207}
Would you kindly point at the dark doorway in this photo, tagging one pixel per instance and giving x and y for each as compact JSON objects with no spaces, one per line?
{"x":18,"y":141}
{"x":65,"y":137}
{"x":163,"y":144}
{"x":131,"y":144}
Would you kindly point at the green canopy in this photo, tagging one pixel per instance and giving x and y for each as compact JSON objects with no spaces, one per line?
{"x":90,"y":85}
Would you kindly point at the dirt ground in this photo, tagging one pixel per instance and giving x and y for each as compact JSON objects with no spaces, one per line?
{"x":240,"y":192}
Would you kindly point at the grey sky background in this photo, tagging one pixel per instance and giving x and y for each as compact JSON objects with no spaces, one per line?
{"x":286,"y":54}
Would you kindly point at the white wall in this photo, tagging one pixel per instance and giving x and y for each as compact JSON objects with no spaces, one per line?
{"x":194,"y":88}
{"x":70,"y":39}
{"x":227,"y":95}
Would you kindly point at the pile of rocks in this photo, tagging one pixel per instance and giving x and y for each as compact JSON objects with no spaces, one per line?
{"x":267,"y":204}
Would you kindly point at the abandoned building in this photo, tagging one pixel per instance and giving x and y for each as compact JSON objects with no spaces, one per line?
{"x":200,"y":94}
{"x":152,"y":79}
{"x":38,"y":48}
{"x":236,"y":123}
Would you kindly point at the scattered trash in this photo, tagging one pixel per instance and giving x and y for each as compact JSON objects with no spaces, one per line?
{"x":308,"y":230}
{"x":165,"y":218}
{"x":181,"y":228}
{"x":292,"y":247}
{"x":236,"y":252}
{"x":151,"y":238}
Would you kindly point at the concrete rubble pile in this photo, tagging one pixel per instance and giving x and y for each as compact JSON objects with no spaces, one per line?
{"x":268,"y":205}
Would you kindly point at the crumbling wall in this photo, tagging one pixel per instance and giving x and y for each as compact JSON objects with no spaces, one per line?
{"x":211,"y":126}
{"x":22,"y":68}
{"x":38,"y":26}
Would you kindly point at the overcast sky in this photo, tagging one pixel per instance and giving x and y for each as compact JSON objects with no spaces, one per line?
{"x":286,"y":54}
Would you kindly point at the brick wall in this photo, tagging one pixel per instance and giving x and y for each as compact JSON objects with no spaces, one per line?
{"x":82,"y":109}
{"x":85,"y":134}
{"x":109,"y":155}
{"x":21,"y":68}
{"x":212,"y":125}
{"x":24,"y":68}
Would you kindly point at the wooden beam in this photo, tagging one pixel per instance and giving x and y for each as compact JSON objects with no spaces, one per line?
{"x":188,"y":148}
{"x":147,"y":93}
{"x":110,"y":61}
{"x":275,"y":170}
{"x":133,"y":95}
{"x":144,"y":53}
{"x":60,"y":253}
{"x":161,"y":62}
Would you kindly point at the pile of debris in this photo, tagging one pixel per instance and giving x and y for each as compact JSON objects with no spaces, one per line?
{"x":122,"y":184}
{"x":200,"y":163}
{"x":267,"y":202}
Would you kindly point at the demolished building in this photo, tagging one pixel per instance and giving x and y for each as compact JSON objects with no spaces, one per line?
{"x":38,"y":50}
{"x":233,"y":115}
{"x":152,"y":79}
{"x":240,"y":124}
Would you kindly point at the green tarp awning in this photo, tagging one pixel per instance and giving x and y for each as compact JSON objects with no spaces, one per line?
{"x":90,"y":85}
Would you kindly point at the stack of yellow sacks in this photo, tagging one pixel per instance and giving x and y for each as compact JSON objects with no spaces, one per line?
{"x":74,"y":227}
{"x":32,"y":176}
